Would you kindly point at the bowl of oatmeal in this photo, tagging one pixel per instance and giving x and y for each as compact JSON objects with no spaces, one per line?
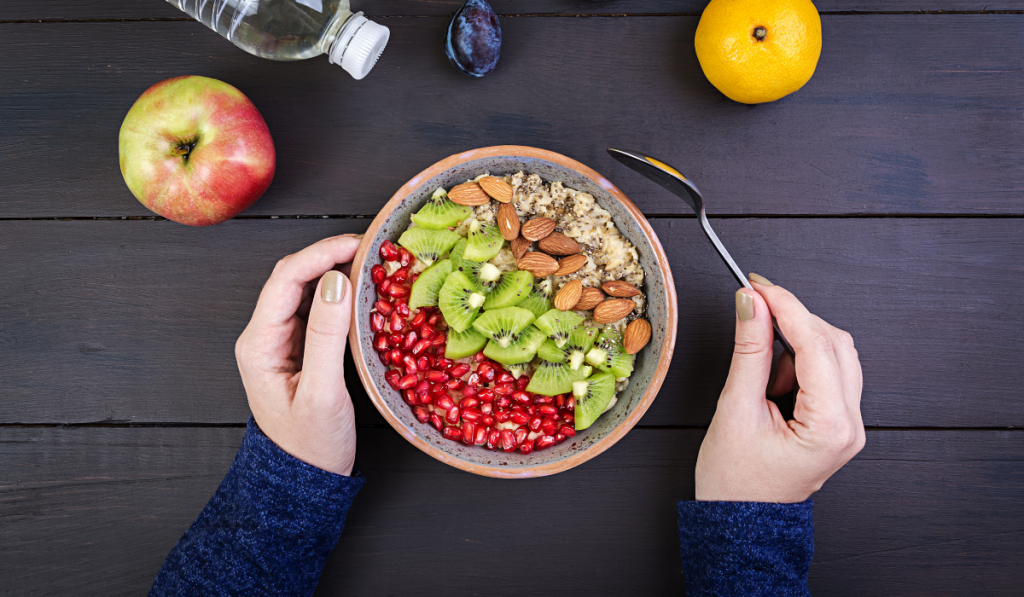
{"x":515,"y":314}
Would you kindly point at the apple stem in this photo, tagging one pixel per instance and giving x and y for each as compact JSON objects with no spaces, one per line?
{"x":184,"y":148}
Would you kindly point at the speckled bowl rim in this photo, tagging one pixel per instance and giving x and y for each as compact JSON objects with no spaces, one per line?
{"x":541,"y":469}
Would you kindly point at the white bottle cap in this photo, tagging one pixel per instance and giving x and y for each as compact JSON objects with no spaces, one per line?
{"x":359,"y":45}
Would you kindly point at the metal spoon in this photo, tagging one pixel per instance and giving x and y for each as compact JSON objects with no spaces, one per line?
{"x":676,"y":183}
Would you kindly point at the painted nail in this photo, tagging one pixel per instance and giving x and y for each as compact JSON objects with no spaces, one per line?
{"x":744,"y":306}
{"x":333,"y":287}
{"x":760,"y":280}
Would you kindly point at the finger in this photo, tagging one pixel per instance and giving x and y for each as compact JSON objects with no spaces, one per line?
{"x":752,"y":353}
{"x":326,"y":336}
{"x":849,"y":363}
{"x":784,"y":379}
{"x":283,"y":293}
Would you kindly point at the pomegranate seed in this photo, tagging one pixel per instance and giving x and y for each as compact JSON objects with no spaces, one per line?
{"x":535,"y":423}
{"x":560,"y":401}
{"x":439,"y":340}
{"x":487,"y":420}
{"x":473,"y":379}
{"x":438,"y":389}
{"x":559,"y":438}
{"x":480,"y":357}
{"x":521,"y":397}
{"x":481,"y":435}
{"x":485,"y":371}
{"x":427,"y":332}
{"x":388,"y":251}
{"x":520,"y":435}
{"x":383,"y":307}
{"x":486,"y":394}
{"x":410,"y":340}
{"x":392,"y":378}
{"x":503,"y":402}
{"x":454,"y":384}
{"x":377,"y":273}
{"x":422,"y":388}
{"x":522,"y":382}
{"x":417,"y":321}
{"x":435,"y":420}
{"x":493,"y":438}
{"x":376,"y":321}
{"x":460,"y":369}
{"x":570,"y":403}
{"x":402,"y":308}
{"x":380,"y":342}
{"x":506,"y":377}
{"x":504,"y":389}
{"x":445,"y":364}
{"x":502,"y":416}
{"x":452,"y":416}
{"x":426,"y":399}
{"x":405,"y":257}
{"x":526,"y":447}
{"x":422,"y":414}
{"x":395,"y":356}
{"x":470,"y":391}
{"x":407,"y":382}
{"x":400,"y":276}
{"x":420,"y":346}
{"x":395,"y":340}
{"x":569,"y":418}
{"x":471,"y":414}
{"x":410,"y":364}
{"x":469,"y":403}
{"x":452,"y":433}
{"x":434,"y":318}
{"x":410,"y":397}
{"x":434,"y":376}
{"x":398,"y":291}
{"x":547,"y":409}
{"x":532,"y":410}
{"x":508,"y":440}
{"x":544,"y":441}
{"x":445,"y":402}
{"x":487,"y":408}
{"x":423,"y":363}
{"x":538,"y":399}
{"x":397,"y":323}
{"x":567,"y":431}
{"x":384,"y":286}
{"x":414,"y":278}
{"x":468,"y":433}
{"x":520,"y":418}
{"x":383,"y":356}
{"x":549,"y":427}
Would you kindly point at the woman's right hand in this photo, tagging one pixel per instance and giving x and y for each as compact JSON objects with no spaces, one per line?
{"x":752,"y":454}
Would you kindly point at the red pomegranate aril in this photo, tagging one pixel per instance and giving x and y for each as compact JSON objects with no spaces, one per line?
{"x":522,"y":381}
{"x":420,"y":346}
{"x":567,"y":431}
{"x":503,"y":402}
{"x":488,"y":420}
{"x":425,"y":399}
{"x":470,"y":391}
{"x":508,"y":440}
{"x":410,"y":397}
{"x":445,"y":402}
{"x":454,"y":384}
{"x":538,"y":399}
{"x":384,"y":286}
{"x":473,"y":379}
{"x":506,"y":377}
{"x":439,"y":340}
{"x":401,"y":276}
{"x":486,"y":372}
{"x":422,"y":414}
{"x":544,"y":441}
{"x":434,"y":318}
{"x":397,"y":323}
{"x":481,"y":435}
{"x":547,"y":410}
{"x":493,"y":438}
{"x":535,"y":423}
{"x":404,"y":256}
{"x":407,"y":382}
{"x":392,"y":378}
{"x":427,"y":332}
{"x":398,"y":291}
{"x":388,"y":251}
{"x":460,"y":369}
{"x":435,"y":376}
{"x":559,"y":438}
{"x":469,"y":403}
{"x":504,"y":389}
{"x":380,"y":341}
{"x":402,"y":308}
{"x":395,"y":340}
{"x":436,"y":422}
{"x":376,"y":321}
{"x":410,"y":340}
{"x":395,"y":356}
{"x":438,"y":389}
{"x":423,"y":363}
{"x":384,"y":358}
{"x":487,"y":408}
{"x":569,"y":418}
{"x":417,"y":321}
{"x":377,"y":273}
{"x":468,"y":433}
{"x":522,"y":398}
{"x":526,"y":447}
{"x":452,"y":416}
{"x":532,"y":409}
{"x":452,"y":433}
{"x":480,"y":357}
{"x":549,"y":427}
{"x":410,"y":364}
{"x":521,"y":434}
{"x":445,"y":364}
{"x":570,"y":404}
{"x":471,"y":414}
{"x":422,"y":388}
{"x":519,"y":418}
{"x":384,"y":308}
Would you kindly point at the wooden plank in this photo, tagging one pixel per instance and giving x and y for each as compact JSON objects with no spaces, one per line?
{"x":891,"y":122}
{"x":136,"y":320}
{"x":152,"y":9}
{"x":918,"y":512}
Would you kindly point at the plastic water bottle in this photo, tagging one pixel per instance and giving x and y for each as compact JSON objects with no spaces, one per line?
{"x":295,"y":29}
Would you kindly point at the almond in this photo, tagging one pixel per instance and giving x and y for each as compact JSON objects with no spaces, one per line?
{"x":557,"y":243}
{"x":590,"y":298}
{"x":613,"y":310}
{"x":498,"y":189}
{"x":569,"y":295}
{"x":570,"y":264}
{"x":508,"y":221}
{"x":538,"y":228}
{"x":469,"y":194}
{"x":637,"y":335}
{"x":620,"y":289}
{"x":538,"y":264}
{"x":519,"y":246}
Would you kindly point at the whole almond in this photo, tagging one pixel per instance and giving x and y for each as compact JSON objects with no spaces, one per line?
{"x":637,"y":335}
{"x":538,"y":264}
{"x":498,"y":189}
{"x":568,"y":295}
{"x":519,"y":246}
{"x":557,"y":243}
{"x":570,"y":264}
{"x":620,"y":289}
{"x":538,"y":228}
{"x":469,"y":194}
{"x":508,"y":221}
{"x":590,"y":298}
{"x":613,"y":310}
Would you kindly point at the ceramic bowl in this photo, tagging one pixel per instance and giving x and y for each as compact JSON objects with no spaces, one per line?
{"x":651,"y":364}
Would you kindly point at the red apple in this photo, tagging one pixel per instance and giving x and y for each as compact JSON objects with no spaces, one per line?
{"x":196,"y":150}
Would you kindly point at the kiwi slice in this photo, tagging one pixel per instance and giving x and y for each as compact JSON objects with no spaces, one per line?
{"x":552,"y":379}
{"x":464,"y":344}
{"x":503,"y":325}
{"x":539,"y":300}
{"x":609,"y":355}
{"x":511,"y":288}
{"x":457,"y":252}
{"x":581,"y":340}
{"x":517,"y":370}
{"x":483,"y":243}
{"x":559,"y":324}
{"x":428,"y":245}
{"x":460,"y":301}
{"x":440,"y":212}
{"x":551,"y":353}
{"x":521,"y":351}
{"x":592,"y":398}
{"x":428,"y":284}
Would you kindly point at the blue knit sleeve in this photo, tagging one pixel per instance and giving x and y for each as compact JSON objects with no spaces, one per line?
{"x":267,"y":530}
{"x":746,"y":548}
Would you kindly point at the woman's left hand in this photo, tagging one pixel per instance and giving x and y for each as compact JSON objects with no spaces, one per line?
{"x":292,"y":364}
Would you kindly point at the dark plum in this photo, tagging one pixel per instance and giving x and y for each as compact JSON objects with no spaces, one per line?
{"x":473,"y":43}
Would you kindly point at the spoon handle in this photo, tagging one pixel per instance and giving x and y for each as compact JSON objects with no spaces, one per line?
{"x":738,"y":274}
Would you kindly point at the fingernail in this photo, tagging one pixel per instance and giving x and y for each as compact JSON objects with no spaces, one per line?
{"x":744,"y":306}
{"x":760,"y":280}
{"x":332,"y":288}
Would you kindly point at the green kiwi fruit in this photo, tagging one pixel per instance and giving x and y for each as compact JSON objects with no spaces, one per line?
{"x":552,"y":379}
{"x":428,"y":284}
{"x":517,"y":370}
{"x":440,"y":212}
{"x":539,"y":299}
{"x":609,"y":355}
{"x":510,"y":290}
{"x":460,"y":301}
{"x":592,"y":398}
{"x":464,"y":344}
{"x":581,"y":340}
{"x":522,"y":350}
{"x":559,"y":324}
{"x":503,"y":325}
{"x":483,"y":243}
{"x":457,"y":251}
{"x":428,"y":245}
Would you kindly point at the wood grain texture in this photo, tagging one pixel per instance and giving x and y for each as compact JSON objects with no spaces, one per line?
{"x":136,"y":320}
{"x":892,"y":122}
{"x":918,"y":512}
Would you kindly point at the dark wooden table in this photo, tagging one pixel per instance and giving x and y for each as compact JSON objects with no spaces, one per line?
{"x":888,"y":193}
